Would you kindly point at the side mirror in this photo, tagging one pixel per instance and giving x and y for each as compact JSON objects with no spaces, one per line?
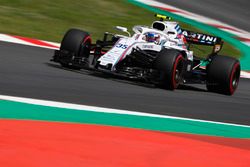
{"x":122,"y":29}
{"x":119,"y":28}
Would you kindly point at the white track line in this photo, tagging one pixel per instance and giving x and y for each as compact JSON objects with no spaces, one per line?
{"x":29,"y":41}
{"x":103,"y":110}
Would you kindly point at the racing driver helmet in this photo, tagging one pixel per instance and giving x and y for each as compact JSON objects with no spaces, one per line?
{"x":152,"y":37}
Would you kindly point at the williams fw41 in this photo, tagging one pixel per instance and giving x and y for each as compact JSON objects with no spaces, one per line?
{"x":158,"y":54}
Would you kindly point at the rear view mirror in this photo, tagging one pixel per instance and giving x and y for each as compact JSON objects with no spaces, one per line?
{"x":122,"y":29}
{"x":119,"y":28}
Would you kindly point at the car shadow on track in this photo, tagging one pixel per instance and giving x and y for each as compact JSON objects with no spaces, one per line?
{"x":122,"y":79}
{"x":191,"y":88}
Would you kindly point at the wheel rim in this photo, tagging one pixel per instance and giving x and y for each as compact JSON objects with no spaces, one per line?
{"x":85,"y":47}
{"x":177,"y":71}
{"x":234,"y":79}
{"x":177,"y":75}
{"x":235,"y":82}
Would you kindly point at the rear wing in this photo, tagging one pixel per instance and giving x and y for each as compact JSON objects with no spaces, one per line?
{"x":203,"y":39}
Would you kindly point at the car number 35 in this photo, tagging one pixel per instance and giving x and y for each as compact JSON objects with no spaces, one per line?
{"x":122,"y":46}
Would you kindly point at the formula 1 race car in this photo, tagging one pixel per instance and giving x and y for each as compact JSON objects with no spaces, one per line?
{"x":159,"y":54}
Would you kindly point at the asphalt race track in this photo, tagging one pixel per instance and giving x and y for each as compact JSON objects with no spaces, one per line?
{"x":234,"y":13}
{"x":26,"y":71}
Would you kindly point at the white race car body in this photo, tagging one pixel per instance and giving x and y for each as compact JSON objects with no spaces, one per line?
{"x":125,"y":45}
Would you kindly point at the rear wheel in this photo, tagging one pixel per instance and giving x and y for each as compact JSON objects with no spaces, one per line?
{"x":170,"y":63}
{"x":77,"y":42}
{"x":223,"y":75}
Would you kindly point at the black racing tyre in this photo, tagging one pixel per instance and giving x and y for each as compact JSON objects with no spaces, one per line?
{"x":78,"y":42}
{"x":170,"y":63}
{"x":223,"y":75}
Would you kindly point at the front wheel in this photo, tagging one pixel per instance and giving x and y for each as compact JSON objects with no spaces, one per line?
{"x":223,"y":75}
{"x":170,"y":64}
{"x":78,"y":43}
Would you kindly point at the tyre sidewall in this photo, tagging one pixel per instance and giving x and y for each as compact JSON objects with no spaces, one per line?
{"x":74,"y":40}
{"x":166,"y":64}
{"x":219,"y":74}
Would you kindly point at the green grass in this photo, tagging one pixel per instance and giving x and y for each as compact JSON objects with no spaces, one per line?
{"x":49,"y":20}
